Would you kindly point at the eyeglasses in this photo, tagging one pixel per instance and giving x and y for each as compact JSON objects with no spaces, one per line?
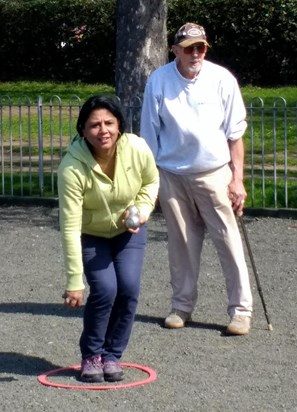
{"x":200,"y":48}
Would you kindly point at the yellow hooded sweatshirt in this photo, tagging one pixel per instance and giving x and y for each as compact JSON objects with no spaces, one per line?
{"x":90,"y":202}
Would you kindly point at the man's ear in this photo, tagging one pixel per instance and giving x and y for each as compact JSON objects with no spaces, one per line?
{"x":174,"y":50}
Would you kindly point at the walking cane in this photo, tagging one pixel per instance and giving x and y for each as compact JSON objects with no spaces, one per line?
{"x":244,"y":232}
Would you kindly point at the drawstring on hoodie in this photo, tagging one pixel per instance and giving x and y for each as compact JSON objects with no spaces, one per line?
{"x":101,"y":194}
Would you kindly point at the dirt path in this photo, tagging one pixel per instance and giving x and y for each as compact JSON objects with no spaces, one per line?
{"x":199,"y":369}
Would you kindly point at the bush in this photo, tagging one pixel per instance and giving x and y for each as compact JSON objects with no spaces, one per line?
{"x":257,"y":40}
{"x":74,"y":40}
{"x":57,"y":40}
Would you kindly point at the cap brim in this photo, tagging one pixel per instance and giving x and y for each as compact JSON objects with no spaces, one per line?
{"x":189,"y":42}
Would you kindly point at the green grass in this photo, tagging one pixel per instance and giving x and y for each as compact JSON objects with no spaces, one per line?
{"x":270,"y":96}
{"x":18,"y":91}
{"x":272,"y":128}
{"x":19,"y":100}
{"x":272,"y":195}
{"x":29,"y":184}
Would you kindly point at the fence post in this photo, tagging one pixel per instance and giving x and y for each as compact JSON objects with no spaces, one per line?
{"x":40,"y":147}
{"x":283,"y":109}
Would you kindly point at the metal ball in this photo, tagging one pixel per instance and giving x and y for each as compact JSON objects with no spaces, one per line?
{"x":132,"y":221}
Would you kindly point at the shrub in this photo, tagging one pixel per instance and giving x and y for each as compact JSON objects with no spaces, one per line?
{"x":255,"y":39}
{"x":74,"y":40}
{"x":57,"y":40}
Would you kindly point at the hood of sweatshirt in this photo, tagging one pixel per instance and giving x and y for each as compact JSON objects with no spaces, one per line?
{"x":79,"y":149}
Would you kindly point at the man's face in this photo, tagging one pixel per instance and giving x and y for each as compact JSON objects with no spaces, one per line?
{"x":189,"y":59}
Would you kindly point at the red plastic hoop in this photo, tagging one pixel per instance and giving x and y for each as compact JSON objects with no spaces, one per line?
{"x":152,"y":375}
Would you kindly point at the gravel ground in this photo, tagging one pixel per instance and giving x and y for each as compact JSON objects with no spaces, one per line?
{"x":199,"y":369}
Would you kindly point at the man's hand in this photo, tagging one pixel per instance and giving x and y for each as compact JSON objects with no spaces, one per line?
{"x":237,"y":196}
{"x":236,"y":190}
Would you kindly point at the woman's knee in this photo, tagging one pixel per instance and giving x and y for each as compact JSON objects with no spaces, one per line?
{"x":103,"y":290}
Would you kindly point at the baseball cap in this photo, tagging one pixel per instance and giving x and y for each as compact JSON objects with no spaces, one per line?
{"x":189,"y":34}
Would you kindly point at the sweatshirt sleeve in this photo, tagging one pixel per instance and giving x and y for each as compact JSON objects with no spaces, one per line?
{"x":235,"y":113}
{"x":150,"y":121}
{"x":70,"y":191}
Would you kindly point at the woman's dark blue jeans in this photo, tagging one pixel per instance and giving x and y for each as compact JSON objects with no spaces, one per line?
{"x":113,"y":269}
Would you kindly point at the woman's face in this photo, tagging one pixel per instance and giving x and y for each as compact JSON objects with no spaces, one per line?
{"x":101,"y":130}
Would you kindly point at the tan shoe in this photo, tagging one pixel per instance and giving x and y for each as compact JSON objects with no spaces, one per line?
{"x":177,"y":319}
{"x":239,"y":325}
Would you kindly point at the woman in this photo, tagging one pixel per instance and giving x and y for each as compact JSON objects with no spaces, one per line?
{"x":103,"y":173}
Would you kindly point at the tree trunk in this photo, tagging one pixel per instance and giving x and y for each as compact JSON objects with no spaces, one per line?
{"x":141,"y":47}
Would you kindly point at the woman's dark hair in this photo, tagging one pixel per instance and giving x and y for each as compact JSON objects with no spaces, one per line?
{"x":100,"y":102}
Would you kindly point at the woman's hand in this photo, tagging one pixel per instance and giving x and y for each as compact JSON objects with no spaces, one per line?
{"x":142,"y":220}
{"x":74,"y":298}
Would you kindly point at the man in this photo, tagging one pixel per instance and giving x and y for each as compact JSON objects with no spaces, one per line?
{"x":193,"y":118}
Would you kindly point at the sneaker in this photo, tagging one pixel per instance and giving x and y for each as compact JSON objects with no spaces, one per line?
{"x":177,"y":319}
{"x":112,"y":371}
{"x":91,"y":369}
{"x":239,"y":325}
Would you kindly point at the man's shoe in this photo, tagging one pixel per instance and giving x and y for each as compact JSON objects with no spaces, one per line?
{"x":239,"y":325}
{"x":112,"y":371}
{"x":177,"y":319}
{"x":91,"y":369}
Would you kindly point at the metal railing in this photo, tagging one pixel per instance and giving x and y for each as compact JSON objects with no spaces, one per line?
{"x":271,"y":154}
{"x":34,"y":136}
